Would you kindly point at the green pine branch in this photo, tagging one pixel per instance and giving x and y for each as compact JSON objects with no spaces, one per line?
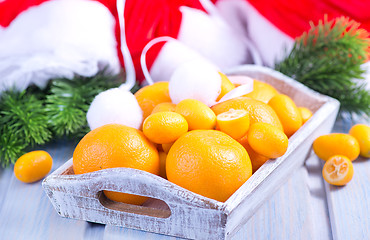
{"x":11,"y":146}
{"x":69,"y":100}
{"x":328,"y":59}
{"x":34,"y":117}
{"x":23,"y":123}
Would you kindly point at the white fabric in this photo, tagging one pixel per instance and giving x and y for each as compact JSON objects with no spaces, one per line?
{"x":197,"y":80}
{"x":172,"y":55}
{"x":202,"y":36}
{"x":237,"y":92}
{"x":245,"y":19}
{"x":129,"y":65}
{"x":57,"y":39}
{"x":211,"y":37}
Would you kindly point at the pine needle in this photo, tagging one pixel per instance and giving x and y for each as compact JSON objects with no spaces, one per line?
{"x":328,"y":59}
{"x":23,"y":123}
{"x":69,"y":100}
{"x":34,"y":117}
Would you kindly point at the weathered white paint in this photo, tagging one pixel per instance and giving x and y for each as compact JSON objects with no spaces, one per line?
{"x":287,"y":214}
{"x":194,"y":216}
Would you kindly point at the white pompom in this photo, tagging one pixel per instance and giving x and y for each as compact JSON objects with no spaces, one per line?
{"x":114,"y":106}
{"x":198,"y":80}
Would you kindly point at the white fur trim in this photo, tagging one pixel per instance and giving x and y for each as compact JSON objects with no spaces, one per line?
{"x":57,"y":39}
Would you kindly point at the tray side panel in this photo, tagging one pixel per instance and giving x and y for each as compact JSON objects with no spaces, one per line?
{"x":79,"y":196}
{"x":186,"y":222}
{"x":253,"y":194}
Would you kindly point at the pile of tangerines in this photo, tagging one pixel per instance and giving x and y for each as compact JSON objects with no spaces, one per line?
{"x":211,"y":151}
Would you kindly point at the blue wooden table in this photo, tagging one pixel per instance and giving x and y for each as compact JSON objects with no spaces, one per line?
{"x":305,"y":207}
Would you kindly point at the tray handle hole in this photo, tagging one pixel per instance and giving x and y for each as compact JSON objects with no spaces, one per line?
{"x":151,"y":207}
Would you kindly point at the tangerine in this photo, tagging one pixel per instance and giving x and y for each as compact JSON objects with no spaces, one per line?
{"x":267,"y":140}
{"x":209,"y":163}
{"x":258,"y":111}
{"x":362,"y":133}
{"x":332,"y":144}
{"x":234,"y":123}
{"x":150,"y":96}
{"x":226,"y":86}
{"x":164,"y":107}
{"x":167,"y":146}
{"x":164,"y":127}
{"x":197,"y":114}
{"x":305,"y":114}
{"x":338,"y":170}
{"x":116,"y":145}
{"x":257,"y":159}
{"x":262,"y":91}
{"x":33,"y":166}
{"x":162,"y":161}
{"x":287,"y":112}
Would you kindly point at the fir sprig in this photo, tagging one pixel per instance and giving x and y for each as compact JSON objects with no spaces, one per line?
{"x":23,"y":123}
{"x":34,"y":117}
{"x":24,"y":115}
{"x":328,"y":59}
{"x":69,"y":100}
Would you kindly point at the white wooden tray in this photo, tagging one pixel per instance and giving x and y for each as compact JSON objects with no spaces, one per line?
{"x":175,"y":211}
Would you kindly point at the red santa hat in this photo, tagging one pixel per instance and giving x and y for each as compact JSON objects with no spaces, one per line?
{"x":42,"y":39}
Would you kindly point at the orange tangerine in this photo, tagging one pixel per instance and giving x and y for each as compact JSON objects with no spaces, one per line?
{"x":164,"y":127}
{"x":258,"y":111}
{"x":257,"y":160}
{"x":305,"y":114}
{"x":234,"y":123}
{"x":197,"y":114}
{"x":287,"y":112}
{"x":33,"y":166}
{"x":116,"y":145}
{"x":267,"y":140}
{"x":150,"y":96}
{"x":226,"y":86}
{"x":262,"y":91}
{"x":362,"y":133}
{"x":162,"y":164}
{"x":332,"y":144}
{"x":209,"y":163}
{"x":164,"y":107}
{"x":338,"y":170}
{"x":167,"y":146}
